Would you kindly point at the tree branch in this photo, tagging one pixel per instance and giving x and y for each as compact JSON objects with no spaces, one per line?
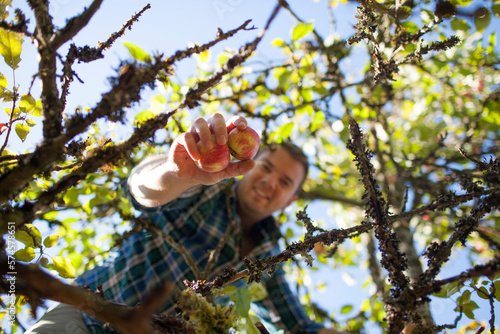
{"x":35,"y":283}
{"x":74,"y":25}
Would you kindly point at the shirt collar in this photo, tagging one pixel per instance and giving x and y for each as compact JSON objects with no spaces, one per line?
{"x":268,"y":227}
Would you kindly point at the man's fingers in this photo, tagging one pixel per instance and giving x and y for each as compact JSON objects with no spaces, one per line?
{"x":205,"y":131}
{"x":188,"y":143}
{"x":236,"y":122}
{"x":201,"y":129}
{"x":218,"y":128}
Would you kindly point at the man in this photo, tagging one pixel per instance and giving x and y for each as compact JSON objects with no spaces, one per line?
{"x":196,"y":208}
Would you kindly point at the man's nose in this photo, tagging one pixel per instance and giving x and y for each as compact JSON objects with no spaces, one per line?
{"x":270,"y":181}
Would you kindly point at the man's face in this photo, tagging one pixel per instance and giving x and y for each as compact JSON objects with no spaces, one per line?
{"x":270,"y":186}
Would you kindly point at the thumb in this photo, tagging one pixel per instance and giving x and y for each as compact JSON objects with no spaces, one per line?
{"x":245,"y":166}
{"x":238,"y":168}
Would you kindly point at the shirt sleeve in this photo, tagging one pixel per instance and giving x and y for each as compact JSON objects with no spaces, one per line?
{"x":283,"y":308}
{"x":181,"y":218}
{"x":184,"y":200}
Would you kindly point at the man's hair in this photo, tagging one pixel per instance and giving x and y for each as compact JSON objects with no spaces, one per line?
{"x":295,"y":152}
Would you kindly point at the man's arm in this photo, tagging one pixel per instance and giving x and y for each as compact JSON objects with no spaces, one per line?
{"x":161,"y":179}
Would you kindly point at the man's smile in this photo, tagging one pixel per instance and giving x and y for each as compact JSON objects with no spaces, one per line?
{"x":261,"y":193}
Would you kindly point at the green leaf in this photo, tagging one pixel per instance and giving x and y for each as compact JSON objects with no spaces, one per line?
{"x":319,"y":118}
{"x":137,"y":53}
{"x":257,"y":291}
{"x":464,"y":299}
{"x":404,"y":12}
{"x":4,"y":4}
{"x":31,"y":123}
{"x":223,"y":58}
{"x":301,"y":30}
{"x":306,"y":108}
{"x":22,"y":131}
{"x":410,"y":27}
{"x":452,"y":288}
{"x":27,"y":103}
{"x":461,"y":2}
{"x":492,"y":42}
{"x":459,"y":24}
{"x":346,"y":309}
{"x":230,"y":289}
{"x":497,"y":290}
{"x":26,"y":254}
{"x":427,"y":16}
{"x":37,"y":111}
{"x":250,"y":328}
{"x":482,"y":18}
{"x":44,"y":262}
{"x":204,"y":56}
{"x":159,"y":99}
{"x":442,"y":293}
{"x":483,"y":293}
{"x":242,"y":302}
{"x":496,"y":10}
{"x":143,"y":116}
{"x":26,"y":239}
{"x":50,"y":241}
{"x":469,"y":308}
{"x":3,"y":81}
{"x":278,"y":42}
{"x":64,"y":267}
{"x":10,"y":47}
{"x":285,"y":130}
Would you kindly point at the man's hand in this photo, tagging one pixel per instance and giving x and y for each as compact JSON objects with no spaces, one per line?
{"x":161,"y":179}
{"x":213,"y":131}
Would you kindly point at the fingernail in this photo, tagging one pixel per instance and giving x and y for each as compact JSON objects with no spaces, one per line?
{"x":209,"y":145}
{"x":221,"y":140}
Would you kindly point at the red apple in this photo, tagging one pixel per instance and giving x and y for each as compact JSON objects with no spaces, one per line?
{"x":213,"y":160}
{"x":243,"y":144}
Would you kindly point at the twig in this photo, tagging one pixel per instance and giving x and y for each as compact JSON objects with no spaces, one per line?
{"x":447,"y":201}
{"x":74,"y":25}
{"x":193,"y":96}
{"x":439,"y":253}
{"x":214,"y":254}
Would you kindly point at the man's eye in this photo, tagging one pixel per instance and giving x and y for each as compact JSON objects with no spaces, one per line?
{"x":285,"y":182}
{"x":266,"y":167}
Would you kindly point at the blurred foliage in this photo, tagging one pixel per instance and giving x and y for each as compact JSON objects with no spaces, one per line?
{"x":429,"y":107}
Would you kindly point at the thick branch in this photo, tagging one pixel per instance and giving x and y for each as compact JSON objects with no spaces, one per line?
{"x":51,"y":106}
{"x":111,"y":154}
{"x":392,"y":259}
{"x":35,"y":283}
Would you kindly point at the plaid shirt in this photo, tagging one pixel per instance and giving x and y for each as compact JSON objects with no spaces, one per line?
{"x":197,"y":220}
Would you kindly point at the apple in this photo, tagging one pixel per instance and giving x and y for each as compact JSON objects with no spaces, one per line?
{"x":213,"y":160}
{"x":243,"y":144}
